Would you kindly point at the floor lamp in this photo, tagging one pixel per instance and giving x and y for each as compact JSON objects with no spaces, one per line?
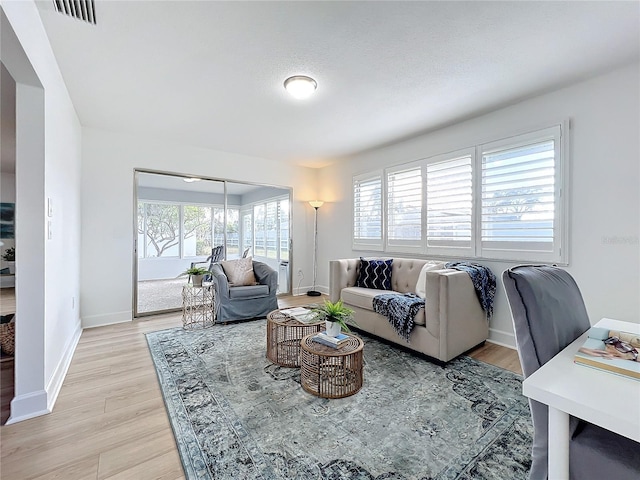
{"x":316,"y":204}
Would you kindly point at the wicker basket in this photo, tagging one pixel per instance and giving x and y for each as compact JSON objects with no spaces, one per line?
{"x":8,"y":338}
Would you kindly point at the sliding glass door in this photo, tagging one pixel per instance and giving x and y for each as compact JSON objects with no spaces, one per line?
{"x":180,"y":219}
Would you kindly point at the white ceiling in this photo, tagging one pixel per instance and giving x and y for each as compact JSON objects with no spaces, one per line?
{"x":210,"y":74}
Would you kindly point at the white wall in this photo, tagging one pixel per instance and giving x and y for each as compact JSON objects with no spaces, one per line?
{"x":107,"y":215}
{"x":47,"y":166}
{"x":605,"y":219}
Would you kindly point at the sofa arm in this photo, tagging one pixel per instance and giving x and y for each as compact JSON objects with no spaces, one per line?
{"x":265,"y":275}
{"x":343,"y":273}
{"x":460,"y":321}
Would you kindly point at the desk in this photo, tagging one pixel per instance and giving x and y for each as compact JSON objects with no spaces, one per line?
{"x":602,"y":398}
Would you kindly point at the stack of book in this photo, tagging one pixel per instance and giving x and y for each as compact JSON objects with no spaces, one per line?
{"x":611,"y":351}
{"x":335,"y":342}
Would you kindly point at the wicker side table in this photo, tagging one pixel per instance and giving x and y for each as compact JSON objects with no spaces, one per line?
{"x":283,"y":337}
{"x":329,"y":372}
{"x":198,"y":306}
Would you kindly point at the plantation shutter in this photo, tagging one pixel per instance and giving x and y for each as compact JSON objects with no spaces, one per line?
{"x":520,"y":191}
{"x":404,"y":209}
{"x":450,"y":205}
{"x":367,"y":211}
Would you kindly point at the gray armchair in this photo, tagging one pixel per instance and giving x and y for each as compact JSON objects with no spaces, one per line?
{"x":548,"y":314}
{"x":245,"y":302}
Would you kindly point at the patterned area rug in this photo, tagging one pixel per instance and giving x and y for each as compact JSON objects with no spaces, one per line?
{"x":237,"y":416}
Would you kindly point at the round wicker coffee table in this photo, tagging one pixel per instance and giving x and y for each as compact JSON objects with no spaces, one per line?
{"x":328,"y":372}
{"x":283,"y":337}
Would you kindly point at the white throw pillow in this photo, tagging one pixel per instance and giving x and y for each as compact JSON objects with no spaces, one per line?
{"x":421,"y":286}
{"x":239,"y":272}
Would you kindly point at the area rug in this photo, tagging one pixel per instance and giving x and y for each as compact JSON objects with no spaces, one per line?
{"x":235,"y":415}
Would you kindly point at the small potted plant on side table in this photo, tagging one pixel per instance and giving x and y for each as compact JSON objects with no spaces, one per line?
{"x":196,"y":274}
{"x":336,"y":316}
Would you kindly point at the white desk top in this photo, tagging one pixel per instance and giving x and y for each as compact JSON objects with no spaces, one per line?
{"x":599,"y":397}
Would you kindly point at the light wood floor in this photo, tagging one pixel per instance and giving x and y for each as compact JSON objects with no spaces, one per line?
{"x":110,"y":421}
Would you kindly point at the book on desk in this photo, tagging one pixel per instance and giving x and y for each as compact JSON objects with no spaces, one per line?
{"x":611,"y":351}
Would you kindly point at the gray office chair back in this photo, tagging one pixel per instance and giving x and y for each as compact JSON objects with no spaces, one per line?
{"x":548,"y":314}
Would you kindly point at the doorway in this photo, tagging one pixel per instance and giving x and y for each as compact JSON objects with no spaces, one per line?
{"x":180,"y":219}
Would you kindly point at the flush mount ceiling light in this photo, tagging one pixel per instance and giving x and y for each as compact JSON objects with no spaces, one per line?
{"x":300,"y":86}
{"x":191,"y":179}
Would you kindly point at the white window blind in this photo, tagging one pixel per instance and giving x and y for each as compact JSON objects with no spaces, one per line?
{"x":450,"y":205}
{"x":367,"y":211}
{"x":404,"y":208}
{"x":520,"y":196}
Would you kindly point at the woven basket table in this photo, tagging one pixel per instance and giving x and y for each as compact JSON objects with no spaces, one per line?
{"x":283,"y":337}
{"x":328,"y":372}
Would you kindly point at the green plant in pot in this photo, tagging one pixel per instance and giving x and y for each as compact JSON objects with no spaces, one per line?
{"x":335,"y":315}
{"x":9,"y":254}
{"x":197,"y":274}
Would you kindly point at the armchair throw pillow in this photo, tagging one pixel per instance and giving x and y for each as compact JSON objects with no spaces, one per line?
{"x":375,"y":274}
{"x":239,"y":272}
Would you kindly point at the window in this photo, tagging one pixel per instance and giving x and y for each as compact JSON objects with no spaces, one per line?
{"x":283,"y":220}
{"x":520,"y":193}
{"x":159,"y":230}
{"x":450,"y":204}
{"x":197,"y":238}
{"x":499,"y":200}
{"x":404,"y":208}
{"x":247,"y":230}
{"x":166,"y":229}
{"x":367,"y":212}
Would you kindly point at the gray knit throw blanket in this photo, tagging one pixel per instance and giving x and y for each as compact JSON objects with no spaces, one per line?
{"x":400,"y":309}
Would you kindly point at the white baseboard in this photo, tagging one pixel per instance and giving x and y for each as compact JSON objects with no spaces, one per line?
{"x":499,"y":337}
{"x":92,"y":321}
{"x":55,"y":384}
{"x":30,"y":405}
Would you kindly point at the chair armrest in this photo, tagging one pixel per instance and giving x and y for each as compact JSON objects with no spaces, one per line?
{"x":265,"y":275}
{"x":220,"y":279}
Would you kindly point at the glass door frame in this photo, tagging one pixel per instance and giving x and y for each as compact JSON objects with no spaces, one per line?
{"x":225,"y":182}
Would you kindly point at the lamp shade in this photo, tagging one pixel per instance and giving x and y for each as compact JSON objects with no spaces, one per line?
{"x":316,"y":203}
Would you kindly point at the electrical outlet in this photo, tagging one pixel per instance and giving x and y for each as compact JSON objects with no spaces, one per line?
{"x":300,"y":274}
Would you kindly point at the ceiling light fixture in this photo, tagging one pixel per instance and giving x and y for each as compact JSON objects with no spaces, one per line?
{"x":191,"y":179}
{"x":300,"y":86}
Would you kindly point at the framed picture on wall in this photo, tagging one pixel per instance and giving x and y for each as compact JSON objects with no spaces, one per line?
{"x":7,"y":215}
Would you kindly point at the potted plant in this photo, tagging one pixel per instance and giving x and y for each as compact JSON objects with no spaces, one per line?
{"x":9,"y":256}
{"x":335,"y":315}
{"x":196,"y":274}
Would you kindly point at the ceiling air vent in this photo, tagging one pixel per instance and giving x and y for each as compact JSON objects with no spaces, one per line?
{"x":80,"y":9}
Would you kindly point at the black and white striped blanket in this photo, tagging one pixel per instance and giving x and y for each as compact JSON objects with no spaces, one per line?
{"x":400,"y":309}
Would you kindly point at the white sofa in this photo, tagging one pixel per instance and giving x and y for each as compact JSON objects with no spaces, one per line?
{"x":451,"y":323}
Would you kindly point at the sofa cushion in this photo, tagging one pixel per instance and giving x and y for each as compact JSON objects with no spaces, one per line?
{"x":375,"y":274}
{"x":250,"y":291}
{"x":239,"y":271}
{"x":363,"y":298}
{"x":421,"y":286}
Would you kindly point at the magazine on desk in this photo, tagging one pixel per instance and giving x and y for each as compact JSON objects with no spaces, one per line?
{"x":611,"y":351}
